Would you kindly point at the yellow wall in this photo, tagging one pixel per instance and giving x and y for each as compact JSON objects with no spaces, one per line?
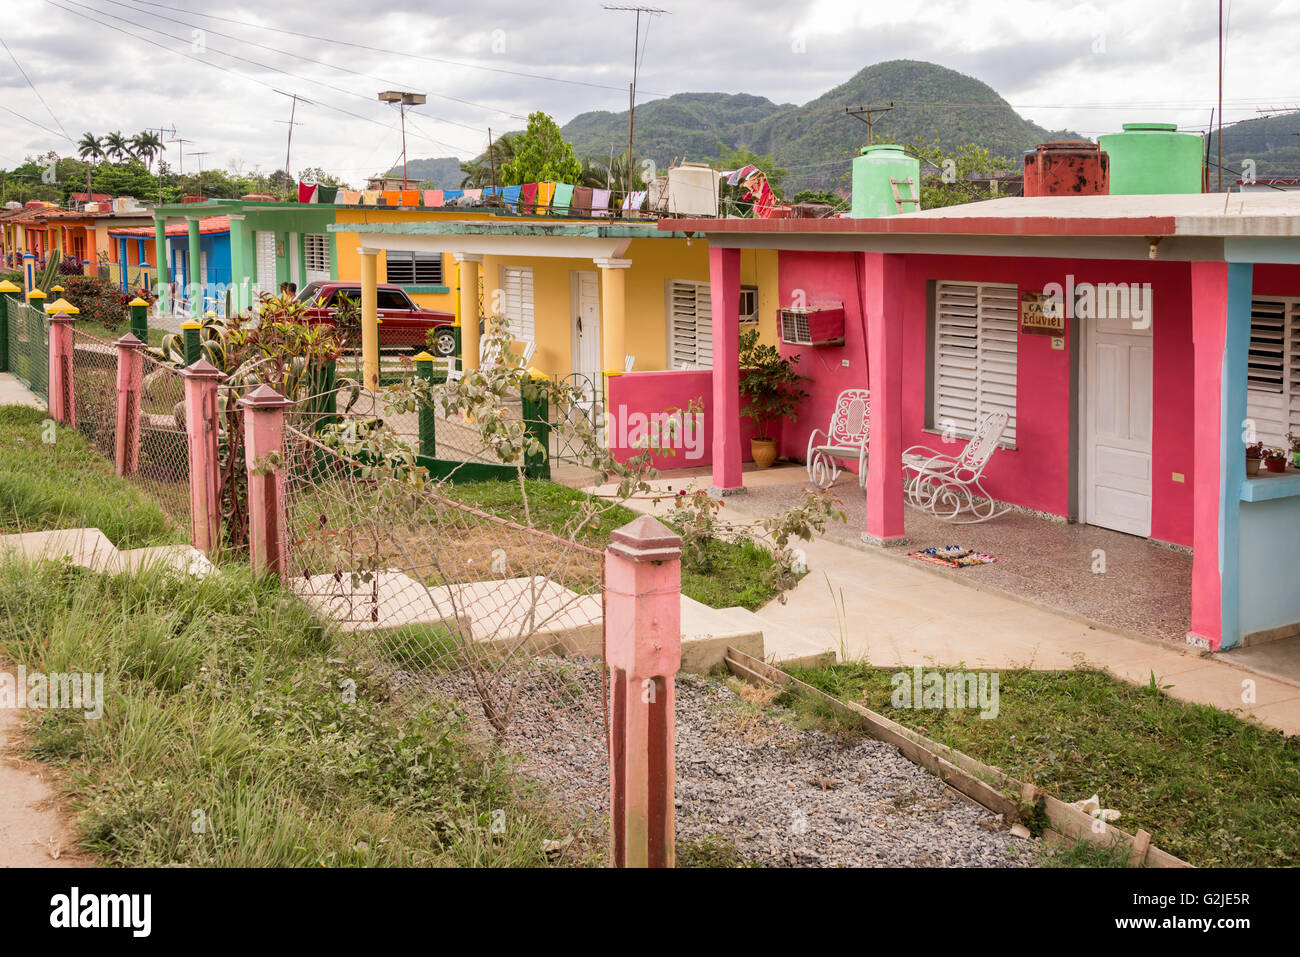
{"x":654,"y":262}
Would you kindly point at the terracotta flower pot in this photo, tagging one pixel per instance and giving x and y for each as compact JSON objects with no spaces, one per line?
{"x":763,"y":451}
{"x":1252,"y":466}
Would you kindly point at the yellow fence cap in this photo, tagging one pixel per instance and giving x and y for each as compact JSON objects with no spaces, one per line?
{"x":62,"y":305}
{"x":7,"y":286}
{"x":36,"y":294}
{"x":137,"y":301}
{"x":423,"y":356}
{"x":56,"y":289}
{"x":191,"y":324}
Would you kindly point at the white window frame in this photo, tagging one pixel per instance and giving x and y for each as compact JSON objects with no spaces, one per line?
{"x":748,"y":305}
{"x":976,"y":333}
{"x":316,"y":256}
{"x":416,"y":260}
{"x":689,"y":306}
{"x":1273,"y":369}
{"x":518,"y":303}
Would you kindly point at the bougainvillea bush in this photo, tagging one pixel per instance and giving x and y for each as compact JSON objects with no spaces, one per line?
{"x":99,"y":300}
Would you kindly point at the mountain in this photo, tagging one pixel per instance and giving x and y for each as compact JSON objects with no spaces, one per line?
{"x":441,"y":173}
{"x":1273,"y":142}
{"x":817,"y":141}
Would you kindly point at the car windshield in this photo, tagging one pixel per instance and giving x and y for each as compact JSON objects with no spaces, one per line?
{"x":309,"y":292}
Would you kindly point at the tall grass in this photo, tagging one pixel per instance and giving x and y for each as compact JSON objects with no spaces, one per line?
{"x":231,"y":736}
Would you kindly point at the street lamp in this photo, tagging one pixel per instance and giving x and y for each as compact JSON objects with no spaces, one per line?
{"x":403,"y":100}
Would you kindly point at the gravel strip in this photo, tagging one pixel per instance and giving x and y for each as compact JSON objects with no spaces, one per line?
{"x":746,"y":776}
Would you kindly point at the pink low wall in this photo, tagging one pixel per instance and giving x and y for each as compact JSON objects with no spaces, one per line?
{"x":636,"y":397}
{"x":1037,"y":473}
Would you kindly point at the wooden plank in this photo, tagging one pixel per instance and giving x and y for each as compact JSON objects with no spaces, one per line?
{"x":973,"y":778}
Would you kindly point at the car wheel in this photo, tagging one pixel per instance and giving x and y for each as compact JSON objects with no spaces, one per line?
{"x":444,"y":343}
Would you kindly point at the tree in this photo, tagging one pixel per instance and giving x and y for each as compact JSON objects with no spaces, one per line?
{"x":118,"y":147}
{"x":147,"y":146}
{"x":479,"y":172}
{"x":541,"y":155}
{"x":89,"y":148}
{"x":946,"y":178}
{"x":818,"y":196}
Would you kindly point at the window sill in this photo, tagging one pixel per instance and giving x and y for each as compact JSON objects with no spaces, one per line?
{"x":1270,"y":485}
{"x":426,"y":290}
{"x":1009,"y":446}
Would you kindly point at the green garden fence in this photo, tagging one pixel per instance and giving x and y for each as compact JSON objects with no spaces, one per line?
{"x":29,"y":347}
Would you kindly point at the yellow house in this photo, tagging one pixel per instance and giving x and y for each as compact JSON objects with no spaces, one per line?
{"x":589,"y":293}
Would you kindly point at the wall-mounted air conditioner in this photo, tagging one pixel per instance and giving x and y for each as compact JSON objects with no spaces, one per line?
{"x":817,"y":324}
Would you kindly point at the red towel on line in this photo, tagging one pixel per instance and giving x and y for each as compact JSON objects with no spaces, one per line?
{"x":528,"y":196}
{"x":306,"y":192}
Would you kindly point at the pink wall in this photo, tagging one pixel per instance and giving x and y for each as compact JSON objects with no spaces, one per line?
{"x":655,"y":392}
{"x":1037,"y":473}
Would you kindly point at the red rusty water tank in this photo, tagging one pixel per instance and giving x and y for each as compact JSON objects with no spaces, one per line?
{"x":1067,"y":168}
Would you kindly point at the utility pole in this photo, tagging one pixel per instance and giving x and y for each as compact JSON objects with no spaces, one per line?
{"x":200,"y":156}
{"x":492,"y":160}
{"x":293,"y":109}
{"x":867,"y":114}
{"x":1220,"y":137}
{"x":651,"y":13}
{"x":403,"y":100}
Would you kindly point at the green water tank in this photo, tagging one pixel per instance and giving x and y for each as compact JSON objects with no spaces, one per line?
{"x":873,"y":191}
{"x":1153,"y":158}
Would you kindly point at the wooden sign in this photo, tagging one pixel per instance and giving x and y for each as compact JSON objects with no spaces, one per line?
{"x":1040,"y":316}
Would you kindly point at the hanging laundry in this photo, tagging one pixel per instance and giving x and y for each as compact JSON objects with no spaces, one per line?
{"x":370,"y":197}
{"x":392,"y":197}
{"x":529,"y":194}
{"x":562,"y":198}
{"x":409,"y":197}
{"x":327,"y":194}
{"x":581,"y":205}
{"x":634,"y":201}
{"x":510,"y":195}
{"x":306,"y":191}
{"x":545,"y":191}
{"x":449,"y":194}
{"x":600,"y":202}
{"x":349,"y":197}
{"x":474,"y":194}
{"x":433,"y":197}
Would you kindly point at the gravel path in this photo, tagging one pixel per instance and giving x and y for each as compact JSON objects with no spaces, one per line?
{"x":748,"y":777}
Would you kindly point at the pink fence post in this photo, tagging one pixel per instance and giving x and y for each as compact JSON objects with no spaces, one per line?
{"x":202,"y":429}
{"x":62,"y":407}
{"x":643,"y":645}
{"x":264,"y":435}
{"x":130,"y":375}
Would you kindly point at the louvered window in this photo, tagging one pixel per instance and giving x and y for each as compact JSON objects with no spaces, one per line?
{"x":316,"y":253}
{"x":975,"y":329}
{"x":1273,"y":370}
{"x":266,"y":262}
{"x":690,"y":325}
{"x":517,"y":301}
{"x":413,"y":269}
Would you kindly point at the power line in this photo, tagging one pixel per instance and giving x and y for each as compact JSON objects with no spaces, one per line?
{"x":416,"y":56}
{"x":28,"y":119}
{"x":34,"y":90}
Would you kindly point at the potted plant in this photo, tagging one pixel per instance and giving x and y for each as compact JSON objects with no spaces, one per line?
{"x":1274,"y":460}
{"x":771,"y":389}
{"x":1295,"y":449}
{"x":1253,"y":454}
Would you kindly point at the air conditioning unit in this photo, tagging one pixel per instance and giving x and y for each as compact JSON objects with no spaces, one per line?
{"x":817,"y":324}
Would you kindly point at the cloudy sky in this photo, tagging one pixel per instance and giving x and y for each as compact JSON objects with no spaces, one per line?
{"x":210,"y":71}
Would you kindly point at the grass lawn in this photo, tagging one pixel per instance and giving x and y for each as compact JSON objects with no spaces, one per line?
{"x":731,"y":577}
{"x":1211,"y":788}
{"x":67,"y":483}
{"x":231,"y":735}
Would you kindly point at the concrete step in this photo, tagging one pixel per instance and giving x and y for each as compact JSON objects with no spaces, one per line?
{"x":90,"y":548}
{"x":781,"y":644}
{"x":708,"y":632}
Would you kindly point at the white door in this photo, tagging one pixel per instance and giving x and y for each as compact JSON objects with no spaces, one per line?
{"x":295,"y":261}
{"x":585,"y":306}
{"x":266,"y":262}
{"x":1117,"y":427}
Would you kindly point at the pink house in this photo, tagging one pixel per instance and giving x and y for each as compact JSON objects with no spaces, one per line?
{"x":1182,"y":337}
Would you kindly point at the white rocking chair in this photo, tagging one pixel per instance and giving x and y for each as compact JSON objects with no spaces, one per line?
{"x":844,"y":438}
{"x":948,"y":487}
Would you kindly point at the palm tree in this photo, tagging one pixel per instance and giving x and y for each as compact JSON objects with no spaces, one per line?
{"x":91,"y":149}
{"x":118,"y":147}
{"x":478,"y":172}
{"x":147,"y":146}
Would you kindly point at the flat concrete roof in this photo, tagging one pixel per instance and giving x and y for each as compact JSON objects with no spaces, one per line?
{"x":525,"y":227}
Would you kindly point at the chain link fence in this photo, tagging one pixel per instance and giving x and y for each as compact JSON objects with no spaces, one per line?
{"x":94,"y":390}
{"x":455,"y":607}
{"x":29,"y":347}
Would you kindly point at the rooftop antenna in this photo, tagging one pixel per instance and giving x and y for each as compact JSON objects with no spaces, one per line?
{"x":181,"y":167}
{"x":651,"y":13}
{"x":293,"y":109}
{"x":403,"y":99}
{"x":867,"y":114}
{"x":200,"y":156}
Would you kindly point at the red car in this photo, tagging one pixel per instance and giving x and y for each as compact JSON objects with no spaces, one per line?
{"x":402,"y":322}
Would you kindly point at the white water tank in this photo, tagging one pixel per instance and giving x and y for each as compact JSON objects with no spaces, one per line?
{"x":692,"y":190}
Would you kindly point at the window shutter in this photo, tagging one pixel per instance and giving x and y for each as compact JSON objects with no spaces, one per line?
{"x":975,"y":331}
{"x":316,"y":248}
{"x":266,"y":262}
{"x":691,"y":325}
{"x":517,"y":301}
{"x":1273,"y":370}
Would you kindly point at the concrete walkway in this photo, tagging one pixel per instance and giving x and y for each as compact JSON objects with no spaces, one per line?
{"x":866,"y":605}
{"x":13,"y":392}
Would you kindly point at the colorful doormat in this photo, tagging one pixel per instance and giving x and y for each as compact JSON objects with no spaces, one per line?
{"x":953,"y":556}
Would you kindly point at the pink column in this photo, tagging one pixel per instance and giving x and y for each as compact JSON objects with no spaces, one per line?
{"x":130,"y":374}
{"x":264,"y":435}
{"x":62,"y":406}
{"x":643,"y":646}
{"x":724,"y":290}
{"x":883,"y":276}
{"x":1209,"y":282}
{"x":201,"y":427}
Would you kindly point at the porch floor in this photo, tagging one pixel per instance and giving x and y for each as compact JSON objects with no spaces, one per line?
{"x":1145,"y":588}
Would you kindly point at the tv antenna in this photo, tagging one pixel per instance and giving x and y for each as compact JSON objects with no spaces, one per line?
{"x":200,"y":156}
{"x":637,"y":48}
{"x":293,"y":109}
{"x":867,"y":114}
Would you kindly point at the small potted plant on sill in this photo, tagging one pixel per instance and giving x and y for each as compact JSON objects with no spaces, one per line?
{"x":1274,"y":460}
{"x":771,"y":390}
{"x":1294,"y":440}
{"x":1253,"y":454}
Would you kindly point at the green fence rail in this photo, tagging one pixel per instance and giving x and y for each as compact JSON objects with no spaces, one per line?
{"x":29,"y":347}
